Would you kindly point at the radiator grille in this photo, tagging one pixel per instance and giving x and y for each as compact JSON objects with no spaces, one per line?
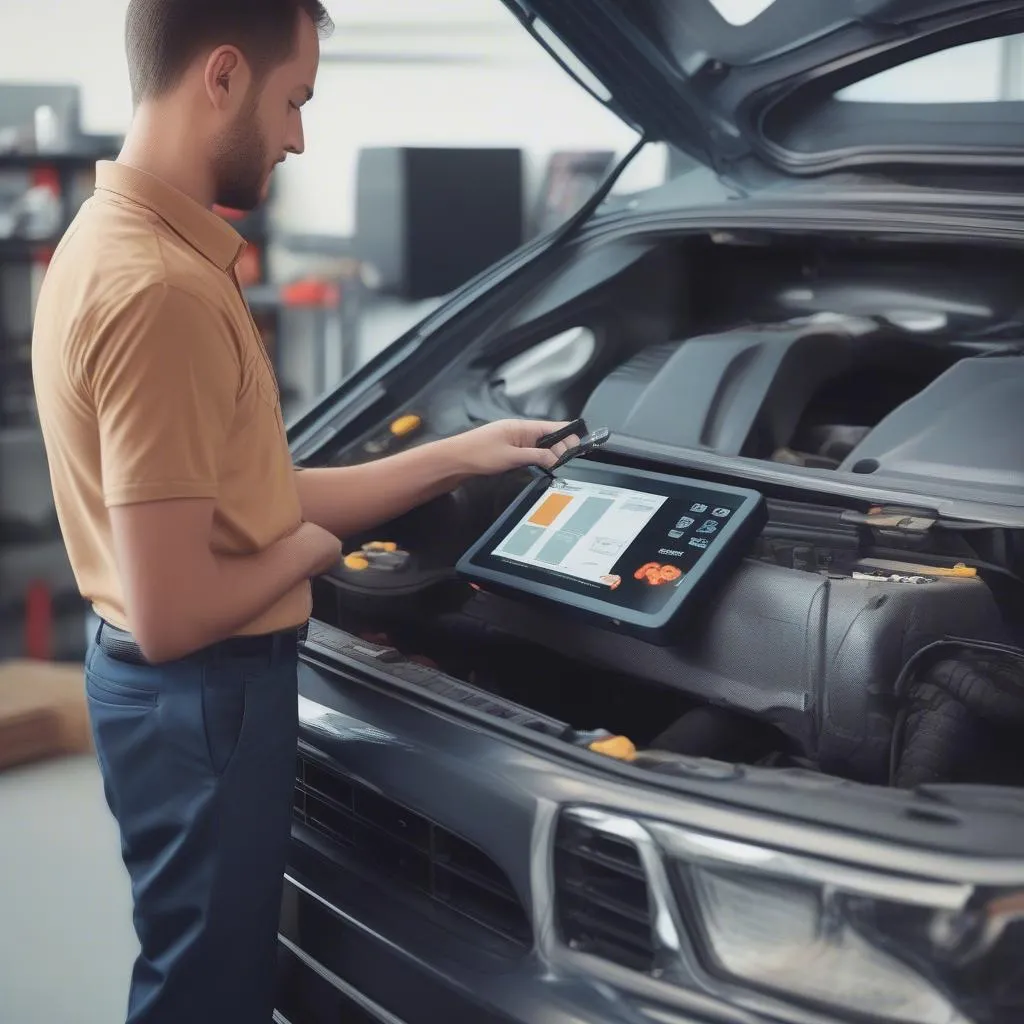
{"x":403,"y":847}
{"x":601,"y":901}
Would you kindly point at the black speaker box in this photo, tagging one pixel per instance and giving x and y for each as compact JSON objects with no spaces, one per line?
{"x":430,"y":219}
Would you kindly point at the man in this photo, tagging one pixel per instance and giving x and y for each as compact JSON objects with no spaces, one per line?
{"x":188,"y":529}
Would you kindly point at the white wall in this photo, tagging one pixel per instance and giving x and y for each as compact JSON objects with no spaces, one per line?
{"x":70,"y":42}
{"x":447,"y":72}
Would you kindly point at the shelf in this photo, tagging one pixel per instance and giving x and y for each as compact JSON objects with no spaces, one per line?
{"x":60,"y":161}
{"x":263,"y":298}
{"x":27,"y":249}
{"x":12,"y":433}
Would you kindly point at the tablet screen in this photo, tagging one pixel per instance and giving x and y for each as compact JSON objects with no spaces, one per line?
{"x":626,"y":539}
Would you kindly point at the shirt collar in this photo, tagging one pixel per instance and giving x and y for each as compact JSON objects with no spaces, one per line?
{"x":204,"y":230}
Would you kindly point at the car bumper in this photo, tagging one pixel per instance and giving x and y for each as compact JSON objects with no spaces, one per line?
{"x":333,"y":968}
{"x":356,"y":947}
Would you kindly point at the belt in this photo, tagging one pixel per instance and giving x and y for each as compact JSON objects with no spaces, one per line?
{"x":122,"y":646}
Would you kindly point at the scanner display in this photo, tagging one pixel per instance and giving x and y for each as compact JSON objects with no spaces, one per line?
{"x":625,"y":544}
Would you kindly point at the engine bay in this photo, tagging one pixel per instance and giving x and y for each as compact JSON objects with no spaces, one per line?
{"x":856,"y":636}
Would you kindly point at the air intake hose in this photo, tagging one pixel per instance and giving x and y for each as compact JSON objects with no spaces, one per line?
{"x":955,"y":710}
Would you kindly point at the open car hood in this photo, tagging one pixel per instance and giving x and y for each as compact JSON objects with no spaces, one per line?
{"x":762,"y":95}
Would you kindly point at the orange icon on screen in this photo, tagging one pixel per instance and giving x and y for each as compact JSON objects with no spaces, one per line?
{"x":655,"y":574}
{"x":612,"y":582}
{"x":550,"y":509}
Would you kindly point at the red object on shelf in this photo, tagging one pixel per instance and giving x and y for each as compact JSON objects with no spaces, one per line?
{"x":310,"y":293}
{"x":46,"y":177}
{"x":38,"y":623}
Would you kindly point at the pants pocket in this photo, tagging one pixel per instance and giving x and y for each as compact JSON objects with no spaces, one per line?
{"x":224,"y":689}
{"x":119,"y":693}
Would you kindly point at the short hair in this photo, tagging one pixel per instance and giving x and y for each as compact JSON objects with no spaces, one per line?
{"x":163,"y":37}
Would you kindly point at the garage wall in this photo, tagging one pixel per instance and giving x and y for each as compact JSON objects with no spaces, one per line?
{"x":456,"y":72}
{"x":453,"y":72}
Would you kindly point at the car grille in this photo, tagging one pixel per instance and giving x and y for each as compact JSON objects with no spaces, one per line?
{"x":601,"y":899}
{"x":389,"y":840}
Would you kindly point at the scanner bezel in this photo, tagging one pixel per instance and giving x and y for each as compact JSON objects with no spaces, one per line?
{"x":481,"y":566}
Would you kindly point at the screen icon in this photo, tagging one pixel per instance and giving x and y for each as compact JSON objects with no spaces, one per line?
{"x":722,"y":513}
{"x":699,"y":508}
{"x":675,"y":534}
{"x":654,"y":574}
{"x":698,"y":542}
{"x":685,"y":523}
{"x":709,"y":526}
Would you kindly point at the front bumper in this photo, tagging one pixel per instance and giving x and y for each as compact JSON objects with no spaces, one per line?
{"x":334,"y":968}
{"x":356,"y":947}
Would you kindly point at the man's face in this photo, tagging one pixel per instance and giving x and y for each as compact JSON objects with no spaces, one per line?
{"x":267,"y":126}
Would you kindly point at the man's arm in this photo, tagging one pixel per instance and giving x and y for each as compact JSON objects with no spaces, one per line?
{"x":351,"y":499}
{"x":180,"y":596}
{"x":163,"y":379}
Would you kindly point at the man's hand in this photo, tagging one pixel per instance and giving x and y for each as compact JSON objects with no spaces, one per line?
{"x":509,"y":444}
{"x":350,"y":499}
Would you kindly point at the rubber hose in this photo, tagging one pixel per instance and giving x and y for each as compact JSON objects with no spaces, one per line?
{"x":947,"y":710}
{"x":939,"y":733}
{"x":990,"y":689}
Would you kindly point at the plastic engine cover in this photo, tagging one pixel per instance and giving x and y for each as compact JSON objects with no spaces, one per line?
{"x":818,"y":657}
{"x":965,"y":426}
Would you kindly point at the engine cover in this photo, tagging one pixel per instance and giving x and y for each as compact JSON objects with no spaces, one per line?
{"x":818,"y":657}
{"x":964,"y":426}
{"x":718,"y":391}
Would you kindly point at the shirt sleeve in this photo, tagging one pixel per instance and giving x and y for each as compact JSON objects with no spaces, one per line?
{"x":164,"y":376}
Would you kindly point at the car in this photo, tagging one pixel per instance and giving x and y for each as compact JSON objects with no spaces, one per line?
{"x":772,"y":776}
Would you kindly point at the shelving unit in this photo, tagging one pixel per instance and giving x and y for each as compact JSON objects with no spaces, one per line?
{"x":32,"y":556}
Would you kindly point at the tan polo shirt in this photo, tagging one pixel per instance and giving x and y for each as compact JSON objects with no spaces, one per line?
{"x":152,"y":382}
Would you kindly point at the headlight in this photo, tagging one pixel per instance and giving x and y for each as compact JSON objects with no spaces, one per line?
{"x":857,"y":943}
{"x":805,"y":942}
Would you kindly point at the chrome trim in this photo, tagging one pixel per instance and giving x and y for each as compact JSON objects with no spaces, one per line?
{"x":280,"y":1018}
{"x":714,"y":851}
{"x":365,"y":1003}
{"x":306,"y":891}
{"x":655,"y":839}
{"x":666,"y":926}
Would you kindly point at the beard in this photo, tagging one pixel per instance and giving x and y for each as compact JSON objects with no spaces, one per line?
{"x":240,"y":162}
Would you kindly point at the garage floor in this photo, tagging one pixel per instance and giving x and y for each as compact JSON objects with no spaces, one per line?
{"x":66,"y":938}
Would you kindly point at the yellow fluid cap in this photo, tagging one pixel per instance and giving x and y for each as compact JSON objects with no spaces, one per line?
{"x":356,"y":562}
{"x":405,"y":425}
{"x":381,"y":545}
{"x":615,"y":746}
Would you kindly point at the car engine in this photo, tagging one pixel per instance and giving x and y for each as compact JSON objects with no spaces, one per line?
{"x":864,"y":638}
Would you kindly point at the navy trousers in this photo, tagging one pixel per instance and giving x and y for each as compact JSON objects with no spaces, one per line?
{"x":198,"y":764}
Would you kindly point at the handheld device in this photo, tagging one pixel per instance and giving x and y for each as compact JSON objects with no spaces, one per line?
{"x":628,"y":549}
